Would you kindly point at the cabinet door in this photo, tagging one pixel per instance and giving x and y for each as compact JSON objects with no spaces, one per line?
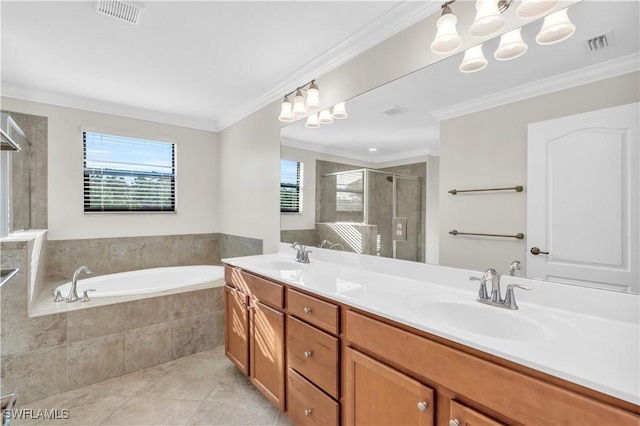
{"x":267,"y":352}
{"x":379,"y":395}
{"x":236,"y":329}
{"x":465,"y":416}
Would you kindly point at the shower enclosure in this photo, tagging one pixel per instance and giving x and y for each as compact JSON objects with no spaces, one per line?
{"x":372,"y":212}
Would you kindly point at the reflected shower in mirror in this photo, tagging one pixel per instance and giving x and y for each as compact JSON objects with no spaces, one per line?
{"x":470,"y":131}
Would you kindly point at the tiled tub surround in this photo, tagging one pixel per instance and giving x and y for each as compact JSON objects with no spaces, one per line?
{"x":47,"y":355}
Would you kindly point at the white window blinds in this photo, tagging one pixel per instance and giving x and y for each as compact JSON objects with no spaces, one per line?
{"x":349,"y":192}
{"x":290,"y":186}
{"x":128,"y":175}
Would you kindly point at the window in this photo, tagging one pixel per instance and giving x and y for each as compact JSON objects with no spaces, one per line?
{"x":349,"y":192}
{"x":290,"y":186}
{"x":128,"y":175}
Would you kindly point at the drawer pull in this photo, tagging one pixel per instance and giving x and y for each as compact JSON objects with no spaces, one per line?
{"x":307,"y":311}
{"x":454,"y":422}
{"x":422,"y":406}
{"x":307,"y":354}
{"x":307,"y":412}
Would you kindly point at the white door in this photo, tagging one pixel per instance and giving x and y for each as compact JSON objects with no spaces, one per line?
{"x":582,"y":203}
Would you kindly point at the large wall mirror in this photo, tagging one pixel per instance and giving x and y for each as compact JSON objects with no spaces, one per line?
{"x":379,"y":181}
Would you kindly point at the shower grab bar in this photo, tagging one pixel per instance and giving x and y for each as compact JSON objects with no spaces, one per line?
{"x":519,"y":235}
{"x":518,"y":188}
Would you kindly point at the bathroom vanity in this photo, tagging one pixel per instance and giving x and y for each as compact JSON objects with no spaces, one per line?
{"x":339,"y":341}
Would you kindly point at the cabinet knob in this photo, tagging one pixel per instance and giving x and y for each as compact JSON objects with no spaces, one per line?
{"x":422,"y":406}
{"x":307,"y":310}
{"x":307,"y":412}
{"x":307,"y":354}
{"x":454,"y":422}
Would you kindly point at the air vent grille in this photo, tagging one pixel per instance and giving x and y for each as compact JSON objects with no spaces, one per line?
{"x":124,"y":11}
{"x":395,"y":111}
{"x":598,"y":43}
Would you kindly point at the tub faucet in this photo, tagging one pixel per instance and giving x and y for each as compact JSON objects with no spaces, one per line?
{"x":73,"y":292}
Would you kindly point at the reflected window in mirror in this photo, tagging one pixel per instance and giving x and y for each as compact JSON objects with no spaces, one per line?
{"x":291,"y":173}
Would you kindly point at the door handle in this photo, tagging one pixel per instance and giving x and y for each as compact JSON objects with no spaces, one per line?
{"x":536,"y":251}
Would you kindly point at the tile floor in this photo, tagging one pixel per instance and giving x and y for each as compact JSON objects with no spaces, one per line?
{"x":200,"y":389}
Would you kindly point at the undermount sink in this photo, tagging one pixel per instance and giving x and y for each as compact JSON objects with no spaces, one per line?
{"x":464,"y":313}
{"x":280,"y":265}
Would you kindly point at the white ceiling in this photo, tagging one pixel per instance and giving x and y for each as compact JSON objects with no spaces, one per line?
{"x":201,"y":64}
{"x":440,"y":91}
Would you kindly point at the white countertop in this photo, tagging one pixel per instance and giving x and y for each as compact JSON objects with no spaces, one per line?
{"x":586,"y":336}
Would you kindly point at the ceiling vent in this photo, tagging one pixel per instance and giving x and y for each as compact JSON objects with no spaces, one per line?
{"x":124,"y":11}
{"x":598,"y":43}
{"x":395,"y":111}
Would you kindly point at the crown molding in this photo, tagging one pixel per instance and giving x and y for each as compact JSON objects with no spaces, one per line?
{"x":567,"y":80}
{"x":402,"y":16}
{"x":359,"y":157}
{"x":94,"y":105}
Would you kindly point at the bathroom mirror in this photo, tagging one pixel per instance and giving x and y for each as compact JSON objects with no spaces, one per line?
{"x":410,"y":120}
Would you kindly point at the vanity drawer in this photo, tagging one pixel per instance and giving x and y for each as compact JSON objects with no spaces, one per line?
{"x":266,"y":291}
{"x":314,"y":354}
{"x":313,"y":310}
{"x":307,"y":405}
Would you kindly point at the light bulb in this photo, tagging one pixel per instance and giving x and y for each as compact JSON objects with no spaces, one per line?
{"x":511,"y":46}
{"x":339,"y":111}
{"x":447,"y":38}
{"x":298,"y":105}
{"x":473,"y":60}
{"x":325,"y":117}
{"x":312,"y":121}
{"x":555,"y":28}
{"x":532,"y":9}
{"x":285,"y":112}
{"x":488,"y":19}
{"x":313,"y":97}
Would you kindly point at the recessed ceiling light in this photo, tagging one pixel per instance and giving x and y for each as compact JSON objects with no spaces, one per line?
{"x":373,"y":149}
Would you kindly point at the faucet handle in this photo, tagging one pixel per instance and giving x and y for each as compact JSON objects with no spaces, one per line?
{"x":482,"y":291}
{"x":510,"y":299}
{"x":85,"y":295}
{"x":57,"y":295}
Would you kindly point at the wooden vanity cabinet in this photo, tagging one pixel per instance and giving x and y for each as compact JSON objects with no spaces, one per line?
{"x":254,"y":331}
{"x":469,"y":389}
{"x":379,"y":395}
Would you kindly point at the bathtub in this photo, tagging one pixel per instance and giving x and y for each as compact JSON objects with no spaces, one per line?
{"x":146,"y":281}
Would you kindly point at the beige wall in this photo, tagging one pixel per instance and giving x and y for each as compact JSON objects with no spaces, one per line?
{"x":196,"y":167}
{"x":488,"y":149}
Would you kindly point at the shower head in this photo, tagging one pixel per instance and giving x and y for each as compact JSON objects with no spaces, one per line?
{"x":390,"y":178}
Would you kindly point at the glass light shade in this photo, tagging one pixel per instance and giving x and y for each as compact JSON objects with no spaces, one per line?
{"x":298,"y":105}
{"x":555,"y":28}
{"x":473,"y":60}
{"x":511,"y":46}
{"x":532,"y":9}
{"x":312,"y":121}
{"x":488,"y":19}
{"x":447,"y":38}
{"x":339,"y":111}
{"x":313,"y":98}
{"x":325,"y":117}
{"x":286,"y":114}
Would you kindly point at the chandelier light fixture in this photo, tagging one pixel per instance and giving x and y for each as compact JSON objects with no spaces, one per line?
{"x":489,"y":21}
{"x":301,"y":106}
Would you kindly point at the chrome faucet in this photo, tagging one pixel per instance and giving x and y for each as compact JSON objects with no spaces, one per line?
{"x":302,"y":254}
{"x":495,"y":297}
{"x":325,"y":243}
{"x":337,"y":246}
{"x":73,"y":292}
{"x":515,"y":265}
